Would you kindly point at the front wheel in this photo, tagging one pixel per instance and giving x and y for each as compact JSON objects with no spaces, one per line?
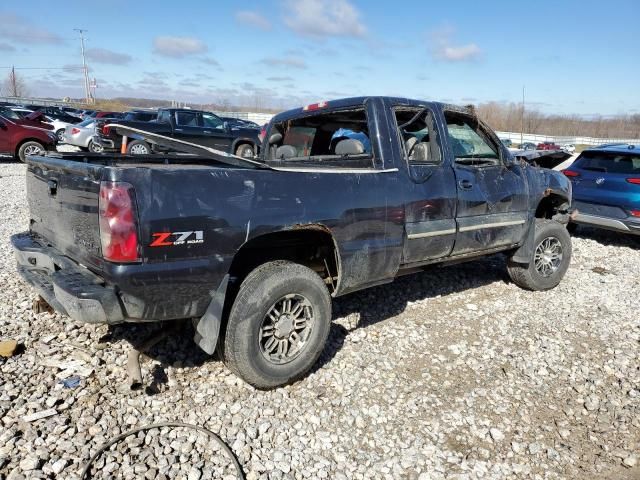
{"x":278,"y":324}
{"x":30,"y":148}
{"x":549,"y":261}
{"x":245,"y":151}
{"x":60,"y":135}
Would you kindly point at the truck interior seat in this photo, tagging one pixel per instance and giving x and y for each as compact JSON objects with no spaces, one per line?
{"x":349,"y":146}
{"x":286,"y":151}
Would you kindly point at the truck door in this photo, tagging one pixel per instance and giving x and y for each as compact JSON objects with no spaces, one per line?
{"x":492,"y":192}
{"x":217,"y":136}
{"x":430,"y":196}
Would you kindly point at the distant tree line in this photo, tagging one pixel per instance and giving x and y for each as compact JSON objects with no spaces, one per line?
{"x":508,"y":118}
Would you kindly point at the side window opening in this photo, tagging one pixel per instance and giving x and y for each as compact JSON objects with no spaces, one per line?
{"x":470,"y":144}
{"x":418,"y":135}
{"x":187,"y":119}
{"x":335,"y":139}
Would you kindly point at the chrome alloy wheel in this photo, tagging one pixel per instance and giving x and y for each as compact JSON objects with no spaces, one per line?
{"x":548,"y":256}
{"x":33,"y":150}
{"x":139,"y":149}
{"x":286,"y":328}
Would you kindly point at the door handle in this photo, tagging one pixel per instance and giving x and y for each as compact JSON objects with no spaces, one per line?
{"x":465,"y":184}
{"x":207,"y":131}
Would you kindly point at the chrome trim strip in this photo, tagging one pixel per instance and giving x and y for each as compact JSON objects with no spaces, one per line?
{"x":450,"y":231}
{"x":601,"y":221}
{"x":491,"y":225}
{"x":332,"y":170}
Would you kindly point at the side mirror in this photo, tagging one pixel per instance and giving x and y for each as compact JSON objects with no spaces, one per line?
{"x":226,"y":126}
{"x":275,"y":138}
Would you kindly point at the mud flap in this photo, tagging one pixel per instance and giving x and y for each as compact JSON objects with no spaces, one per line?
{"x":524,"y":253}
{"x":207,"y":327}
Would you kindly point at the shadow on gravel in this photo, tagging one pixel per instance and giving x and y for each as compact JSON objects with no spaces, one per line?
{"x":607,"y":237}
{"x":381,"y":303}
{"x":373,"y":305}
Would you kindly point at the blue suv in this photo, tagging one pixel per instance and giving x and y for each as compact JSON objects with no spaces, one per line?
{"x":606,"y":187}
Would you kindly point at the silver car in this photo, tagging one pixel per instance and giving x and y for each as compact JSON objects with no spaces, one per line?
{"x":80,"y":135}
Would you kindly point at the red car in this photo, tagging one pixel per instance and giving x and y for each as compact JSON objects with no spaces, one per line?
{"x":19,"y":139}
{"x":548,"y":146}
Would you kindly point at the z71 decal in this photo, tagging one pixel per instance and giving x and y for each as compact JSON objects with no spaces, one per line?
{"x":170,"y":239}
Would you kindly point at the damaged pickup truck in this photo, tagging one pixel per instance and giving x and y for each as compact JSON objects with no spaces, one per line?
{"x":346,"y":195}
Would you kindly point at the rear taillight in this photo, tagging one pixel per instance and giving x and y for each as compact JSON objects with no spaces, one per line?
{"x":570,"y":173}
{"x":106,"y":130}
{"x":635,"y":213}
{"x":75,"y":131}
{"x":635,"y":181}
{"x":118,"y":230}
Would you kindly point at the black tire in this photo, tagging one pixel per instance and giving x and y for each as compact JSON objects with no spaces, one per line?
{"x":60,"y":135}
{"x":532,"y":278}
{"x":94,"y":148}
{"x":262,"y":291}
{"x":29,"y":148}
{"x":245,"y":151}
{"x":138,"y":147}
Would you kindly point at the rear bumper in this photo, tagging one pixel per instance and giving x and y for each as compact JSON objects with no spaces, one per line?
{"x":620,"y":225}
{"x":68,"y":287}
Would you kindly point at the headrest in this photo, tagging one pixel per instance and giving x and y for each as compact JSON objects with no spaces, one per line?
{"x":420,"y":152}
{"x":286,"y":151}
{"x":349,"y":146}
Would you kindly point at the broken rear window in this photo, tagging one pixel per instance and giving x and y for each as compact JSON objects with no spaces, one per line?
{"x":337,"y":139}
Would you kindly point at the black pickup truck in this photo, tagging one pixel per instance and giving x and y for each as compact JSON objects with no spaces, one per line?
{"x":346,"y":194}
{"x":194,"y":126}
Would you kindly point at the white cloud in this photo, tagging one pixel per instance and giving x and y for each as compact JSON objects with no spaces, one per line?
{"x":443,"y":48}
{"x":102,"y":55}
{"x":289,"y":61}
{"x":178,"y":47}
{"x":19,"y":29}
{"x":5,"y":47}
{"x":324,"y":18}
{"x":253,"y":19}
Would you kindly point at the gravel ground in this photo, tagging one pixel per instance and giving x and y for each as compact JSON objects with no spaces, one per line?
{"x":453,"y":373}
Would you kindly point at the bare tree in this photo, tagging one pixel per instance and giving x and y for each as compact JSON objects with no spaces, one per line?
{"x":14,"y":85}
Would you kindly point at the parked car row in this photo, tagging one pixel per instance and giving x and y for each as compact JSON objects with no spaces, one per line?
{"x":569,"y":147}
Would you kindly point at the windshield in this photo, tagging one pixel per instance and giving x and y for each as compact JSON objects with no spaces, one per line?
{"x":9,"y":114}
{"x":86,"y":122}
{"x":609,"y":162}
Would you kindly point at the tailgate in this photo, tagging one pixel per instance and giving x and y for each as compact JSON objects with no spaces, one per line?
{"x":63,"y":202}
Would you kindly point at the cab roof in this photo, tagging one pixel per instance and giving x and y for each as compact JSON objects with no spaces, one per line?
{"x":352,"y":102}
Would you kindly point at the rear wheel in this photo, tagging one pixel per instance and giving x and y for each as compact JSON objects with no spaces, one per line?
{"x":245,"y":151}
{"x":278,"y":324}
{"x":60,"y":135}
{"x":138,"y":147}
{"x":30,"y":148}
{"x":549,"y":261}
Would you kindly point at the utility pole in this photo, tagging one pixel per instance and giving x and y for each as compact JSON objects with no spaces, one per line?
{"x":522,"y":119}
{"x":13,"y":83}
{"x":85,"y":70}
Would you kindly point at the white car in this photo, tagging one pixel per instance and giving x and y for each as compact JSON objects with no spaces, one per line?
{"x":58,"y":127}
{"x":569,"y":148}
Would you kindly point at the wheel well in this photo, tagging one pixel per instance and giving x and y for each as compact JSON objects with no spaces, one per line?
{"x":312,"y":246}
{"x":25,"y":140}
{"x":550,"y":205}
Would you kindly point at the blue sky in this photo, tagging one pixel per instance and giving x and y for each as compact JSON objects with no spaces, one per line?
{"x":573,"y":56}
